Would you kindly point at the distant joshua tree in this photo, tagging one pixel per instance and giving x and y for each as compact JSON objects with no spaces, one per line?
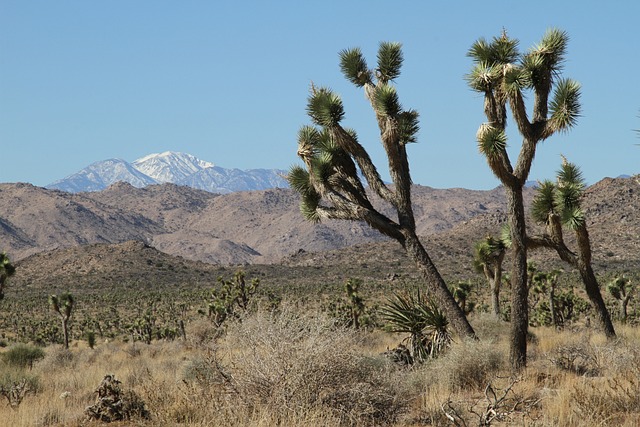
{"x":335,"y":162}
{"x":6,"y":270}
{"x":488,"y":257}
{"x":507,"y":77}
{"x":621,"y":288}
{"x":63,"y":305}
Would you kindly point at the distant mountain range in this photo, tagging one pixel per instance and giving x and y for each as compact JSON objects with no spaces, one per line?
{"x":266,"y":227}
{"x":170,"y":167}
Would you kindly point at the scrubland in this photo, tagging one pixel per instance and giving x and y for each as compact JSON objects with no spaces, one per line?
{"x":297,"y":368}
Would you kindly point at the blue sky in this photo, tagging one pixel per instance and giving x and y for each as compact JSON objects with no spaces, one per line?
{"x":83,"y":81}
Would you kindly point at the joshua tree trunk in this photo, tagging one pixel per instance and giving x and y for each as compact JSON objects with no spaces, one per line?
{"x":519,"y":288}
{"x":65,"y":332}
{"x":591,"y":283}
{"x":554,"y":239}
{"x":623,"y":308}
{"x":436,"y":285}
{"x":552,"y":305}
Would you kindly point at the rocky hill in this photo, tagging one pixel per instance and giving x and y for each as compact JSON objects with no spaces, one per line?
{"x":236,"y":228}
{"x":265,"y":227}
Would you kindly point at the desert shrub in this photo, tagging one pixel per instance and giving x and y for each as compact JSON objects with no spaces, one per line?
{"x":289,"y":364}
{"x":201,"y":332}
{"x":578,"y":358}
{"x":23,"y":355}
{"x":58,"y":357}
{"x":467,"y":365}
{"x":115,"y":404}
{"x":15,"y":384}
{"x":204,"y":371}
{"x":598,"y":401}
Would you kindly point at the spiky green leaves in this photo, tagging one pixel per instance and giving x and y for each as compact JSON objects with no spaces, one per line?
{"x":325,"y":107}
{"x":386,"y":100}
{"x":515,"y":79}
{"x":552,"y":48}
{"x":570,"y":174}
{"x":389,"y":61}
{"x":562,"y":198}
{"x":354,"y":67}
{"x":484,"y":76}
{"x":501,"y":50}
{"x":408,"y":126}
{"x":492,"y":141}
{"x":565,"y":107}
{"x":543,"y":202}
{"x":300,"y":181}
{"x":419,"y":317}
{"x":620,"y":287}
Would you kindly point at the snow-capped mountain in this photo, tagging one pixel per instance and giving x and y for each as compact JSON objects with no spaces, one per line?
{"x":221,"y":180}
{"x":171,"y":167}
{"x":100,"y":175}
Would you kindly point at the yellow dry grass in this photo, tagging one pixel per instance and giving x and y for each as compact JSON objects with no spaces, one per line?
{"x":464,"y":385}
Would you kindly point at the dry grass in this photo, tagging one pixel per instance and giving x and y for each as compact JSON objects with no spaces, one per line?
{"x":298,"y":370}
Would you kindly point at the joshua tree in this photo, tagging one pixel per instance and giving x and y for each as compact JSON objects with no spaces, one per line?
{"x":557,"y":205}
{"x":488,"y":258}
{"x":331,"y":183}
{"x":461,"y":292}
{"x":545,"y":284}
{"x":6,"y":270}
{"x":621,"y":289}
{"x":232,"y":295}
{"x":63,"y":305}
{"x":505,"y":76}
{"x":356,"y":303}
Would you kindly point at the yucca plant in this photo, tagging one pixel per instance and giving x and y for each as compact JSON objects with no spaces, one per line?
{"x":420,"y":317}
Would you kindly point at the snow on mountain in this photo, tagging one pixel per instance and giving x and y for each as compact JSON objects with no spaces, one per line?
{"x":101,"y":175}
{"x":170,"y":166}
{"x":220,"y":180}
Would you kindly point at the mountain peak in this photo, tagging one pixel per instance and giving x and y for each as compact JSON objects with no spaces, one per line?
{"x":170,"y":166}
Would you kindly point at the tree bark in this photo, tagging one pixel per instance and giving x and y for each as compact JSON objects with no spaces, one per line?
{"x":65,"y":332}
{"x":552,"y":305}
{"x":496,"y":284}
{"x":519,"y":288}
{"x":591,"y":283}
{"x":437,"y":287}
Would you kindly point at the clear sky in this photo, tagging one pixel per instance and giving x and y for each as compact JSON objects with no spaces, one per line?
{"x":83,"y":81}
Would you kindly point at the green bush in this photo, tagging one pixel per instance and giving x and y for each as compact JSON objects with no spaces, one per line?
{"x":23,"y":355}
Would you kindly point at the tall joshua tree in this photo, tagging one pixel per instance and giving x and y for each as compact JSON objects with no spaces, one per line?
{"x":330,"y":183}
{"x":559,"y":204}
{"x":505,"y":76}
{"x":6,"y":270}
{"x":63,"y":305}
